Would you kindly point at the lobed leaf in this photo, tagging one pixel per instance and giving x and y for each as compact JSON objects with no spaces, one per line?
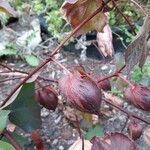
{"x":75,"y":13}
{"x":138,"y":50}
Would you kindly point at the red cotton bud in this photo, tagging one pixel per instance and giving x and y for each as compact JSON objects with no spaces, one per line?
{"x":105,"y":84}
{"x":81,"y":91}
{"x":47,"y":97}
{"x":139,"y":95}
{"x":135,"y":129}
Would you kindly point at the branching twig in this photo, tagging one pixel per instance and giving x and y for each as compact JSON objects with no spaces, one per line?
{"x":59,"y":64}
{"x":113,"y":75}
{"x":124,"y":79}
{"x":55,"y":51}
{"x":1,"y":81}
{"x":5,"y":66}
{"x":127,"y":112}
{"x":126,"y":19}
{"x":24,"y":72}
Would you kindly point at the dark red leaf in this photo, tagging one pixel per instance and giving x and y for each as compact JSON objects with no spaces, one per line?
{"x":134,"y":128}
{"x":81,"y":91}
{"x":138,"y":50}
{"x":47,"y":97}
{"x":105,"y":84}
{"x":139,"y":95}
{"x":113,"y":141}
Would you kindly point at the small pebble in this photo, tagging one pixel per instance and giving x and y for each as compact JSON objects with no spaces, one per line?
{"x":58,"y":120}
{"x":44,"y":112}
{"x":55,"y":142}
{"x":61,"y":148}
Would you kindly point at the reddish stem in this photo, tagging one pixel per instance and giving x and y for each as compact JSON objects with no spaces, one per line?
{"x":19,"y":71}
{"x":124,"y":79}
{"x":5,"y":66}
{"x":55,"y":51}
{"x":113,"y":75}
{"x":127,"y":112}
{"x":46,"y":79}
{"x":12,"y":140}
{"x":10,"y":79}
{"x":139,"y":6}
{"x":59,"y":64}
{"x":125,"y":17}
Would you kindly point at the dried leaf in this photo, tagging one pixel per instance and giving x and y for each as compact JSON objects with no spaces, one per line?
{"x":69,"y":113}
{"x":11,"y":127}
{"x":71,"y":1}
{"x":138,"y":50}
{"x":75,"y":13}
{"x":146,"y":135}
{"x":104,"y":40}
{"x":113,"y":141}
{"x":78,"y":145}
{"x":6,"y":8}
{"x":115,"y":99}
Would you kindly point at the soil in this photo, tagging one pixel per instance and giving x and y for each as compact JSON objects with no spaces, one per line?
{"x":57,"y":132}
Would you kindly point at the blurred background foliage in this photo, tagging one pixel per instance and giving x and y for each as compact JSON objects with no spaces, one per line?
{"x":50,"y":11}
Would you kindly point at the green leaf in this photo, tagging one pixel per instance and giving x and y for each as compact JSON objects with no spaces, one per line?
{"x":25,"y":110}
{"x":31,"y":60}
{"x":8,"y":52}
{"x":19,"y":138}
{"x":3,"y":119}
{"x":8,"y":48}
{"x":6,"y":146}
{"x":94,"y":131}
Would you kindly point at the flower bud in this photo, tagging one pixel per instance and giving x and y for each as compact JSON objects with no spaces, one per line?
{"x":113,"y":141}
{"x":135,"y":129}
{"x":47,"y":97}
{"x":81,"y":91}
{"x":105,"y":84}
{"x":139,"y":95}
